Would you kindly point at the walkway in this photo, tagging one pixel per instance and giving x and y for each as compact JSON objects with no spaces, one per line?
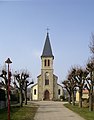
{"x":50,"y":110}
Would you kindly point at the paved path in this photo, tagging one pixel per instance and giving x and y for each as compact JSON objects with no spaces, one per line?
{"x":50,"y":110}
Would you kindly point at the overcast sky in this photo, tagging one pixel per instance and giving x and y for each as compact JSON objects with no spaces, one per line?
{"x":23,"y":25}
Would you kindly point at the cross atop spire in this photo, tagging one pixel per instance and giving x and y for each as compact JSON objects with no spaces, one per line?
{"x":47,"y":51}
{"x":48,"y":30}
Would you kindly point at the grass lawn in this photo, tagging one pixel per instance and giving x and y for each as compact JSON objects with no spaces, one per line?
{"x":19,"y":113}
{"x":84,"y":112}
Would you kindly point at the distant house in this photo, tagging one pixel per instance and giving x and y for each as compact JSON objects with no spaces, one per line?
{"x":85,"y":95}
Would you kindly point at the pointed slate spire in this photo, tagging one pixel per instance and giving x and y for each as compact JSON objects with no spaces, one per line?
{"x":47,"y":51}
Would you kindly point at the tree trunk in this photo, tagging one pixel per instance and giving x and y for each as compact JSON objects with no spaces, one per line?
{"x":6,"y":97}
{"x":91,"y":94}
{"x":69,"y":98}
{"x":91,"y":101}
{"x":73,"y":101}
{"x":26,"y":96}
{"x":21,"y":98}
{"x":80,"y":98}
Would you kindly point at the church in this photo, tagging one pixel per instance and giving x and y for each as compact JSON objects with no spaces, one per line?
{"x":47,"y":87}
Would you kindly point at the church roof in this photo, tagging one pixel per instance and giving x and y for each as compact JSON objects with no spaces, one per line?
{"x":47,"y":51}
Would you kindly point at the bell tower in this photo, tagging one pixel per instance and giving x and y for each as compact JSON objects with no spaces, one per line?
{"x":46,"y":80}
{"x":47,"y":56}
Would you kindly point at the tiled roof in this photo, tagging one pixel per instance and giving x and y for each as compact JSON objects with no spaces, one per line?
{"x":85,"y":91}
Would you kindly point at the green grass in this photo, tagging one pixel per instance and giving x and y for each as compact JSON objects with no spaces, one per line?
{"x":84,"y":112}
{"x":19,"y":113}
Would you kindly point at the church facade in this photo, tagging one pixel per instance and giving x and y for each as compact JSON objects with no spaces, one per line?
{"x":46,"y":87}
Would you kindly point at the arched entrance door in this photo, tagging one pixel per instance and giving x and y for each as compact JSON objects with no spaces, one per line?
{"x":46,"y":95}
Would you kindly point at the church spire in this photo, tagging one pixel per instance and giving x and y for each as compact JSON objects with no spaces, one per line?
{"x":47,"y":51}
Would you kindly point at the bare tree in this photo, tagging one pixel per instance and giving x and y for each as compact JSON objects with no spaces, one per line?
{"x":92,"y":44}
{"x":22,"y":83}
{"x":70,"y":85}
{"x":90,"y":68}
{"x":19,"y":84}
{"x":67,"y":86}
{"x":26,"y":84}
{"x":4,"y":81}
{"x":80,"y":77}
{"x":76,"y":78}
{"x":90,"y":82}
{"x":71,"y":77}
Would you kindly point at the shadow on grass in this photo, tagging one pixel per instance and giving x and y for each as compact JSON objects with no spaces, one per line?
{"x":84,"y":112}
{"x":4,"y":112}
{"x":19,"y":113}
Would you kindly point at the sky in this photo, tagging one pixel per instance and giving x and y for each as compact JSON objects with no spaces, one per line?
{"x":23,"y":29}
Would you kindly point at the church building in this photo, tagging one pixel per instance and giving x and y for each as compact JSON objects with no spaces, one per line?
{"x":46,"y":87}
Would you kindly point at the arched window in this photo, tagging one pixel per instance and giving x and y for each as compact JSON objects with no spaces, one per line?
{"x":58,"y":91}
{"x":48,"y":62}
{"x":46,"y":81}
{"x":34,"y":91}
{"x":45,"y":62}
{"x":47,"y":75}
{"x":46,"y":78}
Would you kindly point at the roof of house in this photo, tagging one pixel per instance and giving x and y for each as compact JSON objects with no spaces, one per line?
{"x":47,"y":51}
{"x":34,"y":85}
{"x":85,"y":91}
{"x":38,"y":76}
{"x":60,"y":85}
